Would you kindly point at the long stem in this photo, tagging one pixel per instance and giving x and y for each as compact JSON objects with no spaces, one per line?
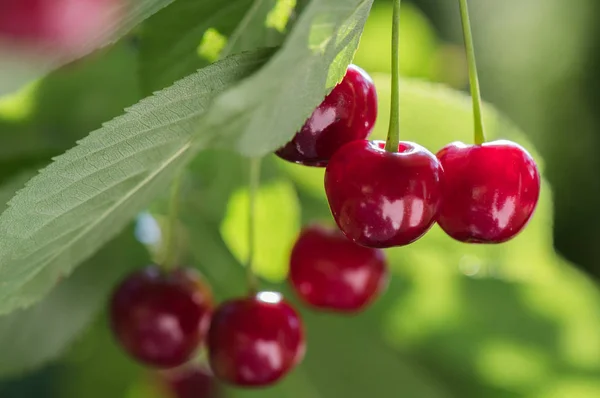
{"x":473,"y":79}
{"x":171,"y":254}
{"x":393,"y":137}
{"x":253,"y":183}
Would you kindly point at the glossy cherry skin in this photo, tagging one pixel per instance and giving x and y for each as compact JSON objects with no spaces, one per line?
{"x":190,"y":382}
{"x":490,"y":191}
{"x":348,"y":113}
{"x":161,"y":318}
{"x":383,"y":199}
{"x":255,"y":341}
{"x":330,"y":272}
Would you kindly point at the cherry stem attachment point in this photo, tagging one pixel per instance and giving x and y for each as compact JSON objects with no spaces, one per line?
{"x":393,"y":137}
{"x":479,"y":136}
{"x":253,"y":184}
{"x":170,"y":257}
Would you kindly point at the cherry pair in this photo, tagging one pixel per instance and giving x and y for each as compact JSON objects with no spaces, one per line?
{"x":477,"y":193}
{"x":381,"y":198}
{"x":162,"y":318}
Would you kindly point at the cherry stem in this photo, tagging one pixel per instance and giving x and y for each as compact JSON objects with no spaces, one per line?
{"x":479,"y":136}
{"x":253,"y":183}
{"x":170,"y":257}
{"x":393,"y":137}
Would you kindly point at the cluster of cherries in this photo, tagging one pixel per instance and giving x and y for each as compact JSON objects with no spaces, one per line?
{"x":379,"y":198}
{"x":161,"y":317}
{"x":382,"y":197}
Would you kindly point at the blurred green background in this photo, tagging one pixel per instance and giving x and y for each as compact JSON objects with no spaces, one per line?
{"x":515,"y":320}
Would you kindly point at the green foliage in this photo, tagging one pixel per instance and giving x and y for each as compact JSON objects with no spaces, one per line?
{"x":87,"y":195}
{"x":14,"y":72}
{"x":276,"y":227}
{"x":512,"y":320}
{"x":90,"y":193}
{"x":262,"y":113}
{"x":43,"y":332}
{"x":47,"y":117}
{"x":418,"y":43}
{"x":191,"y":34}
{"x":96,"y":361}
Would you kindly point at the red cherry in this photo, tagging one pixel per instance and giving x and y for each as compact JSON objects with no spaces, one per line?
{"x":380,"y":198}
{"x":490,"y":191}
{"x":255,"y":341}
{"x":348,"y":113}
{"x":161,"y":318}
{"x":190,"y":382}
{"x":65,"y":25}
{"x":329,"y":271}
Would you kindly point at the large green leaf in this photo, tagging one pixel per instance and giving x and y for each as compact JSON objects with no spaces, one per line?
{"x":263,"y":112}
{"x":87,"y":195}
{"x":17,"y":69}
{"x":90,"y":193}
{"x":191,"y":34}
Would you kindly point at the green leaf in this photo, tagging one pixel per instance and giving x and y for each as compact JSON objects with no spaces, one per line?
{"x":263,"y":112}
{"x":32,"y":337}
{"x":90,"y":193}
{"x":277,"y":224}
{"x":16,"y":70}
{"x":12,"y":186}
{"x":87,"y":195}
{"x":191,"y":34}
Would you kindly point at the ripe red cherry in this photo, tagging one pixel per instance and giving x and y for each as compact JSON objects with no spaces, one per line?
{"x":160,"y":317}
{"x":383,"y":199}
{"x":330,"y":272}
{"x":348,"y":113}
{"x":190,"y":382}
{"x":255,"y":341}
{"x":65,"y":25}
{"x":490,"y":191}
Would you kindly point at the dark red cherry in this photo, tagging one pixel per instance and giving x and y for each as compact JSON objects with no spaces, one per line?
{"x":348,"y":113}
{"x":193,"y":381}
{"x":330,"y":272}
{"x":380,"y":198}
{"x":490,"y":191}
{"x":159,"y":317}
{"x":256,"y":340}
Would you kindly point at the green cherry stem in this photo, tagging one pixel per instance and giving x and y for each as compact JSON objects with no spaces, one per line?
{"x":473,"y":79}
{"x":253,"y":183}
{"x":170,"y":257}
{"x":393,"y":137}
